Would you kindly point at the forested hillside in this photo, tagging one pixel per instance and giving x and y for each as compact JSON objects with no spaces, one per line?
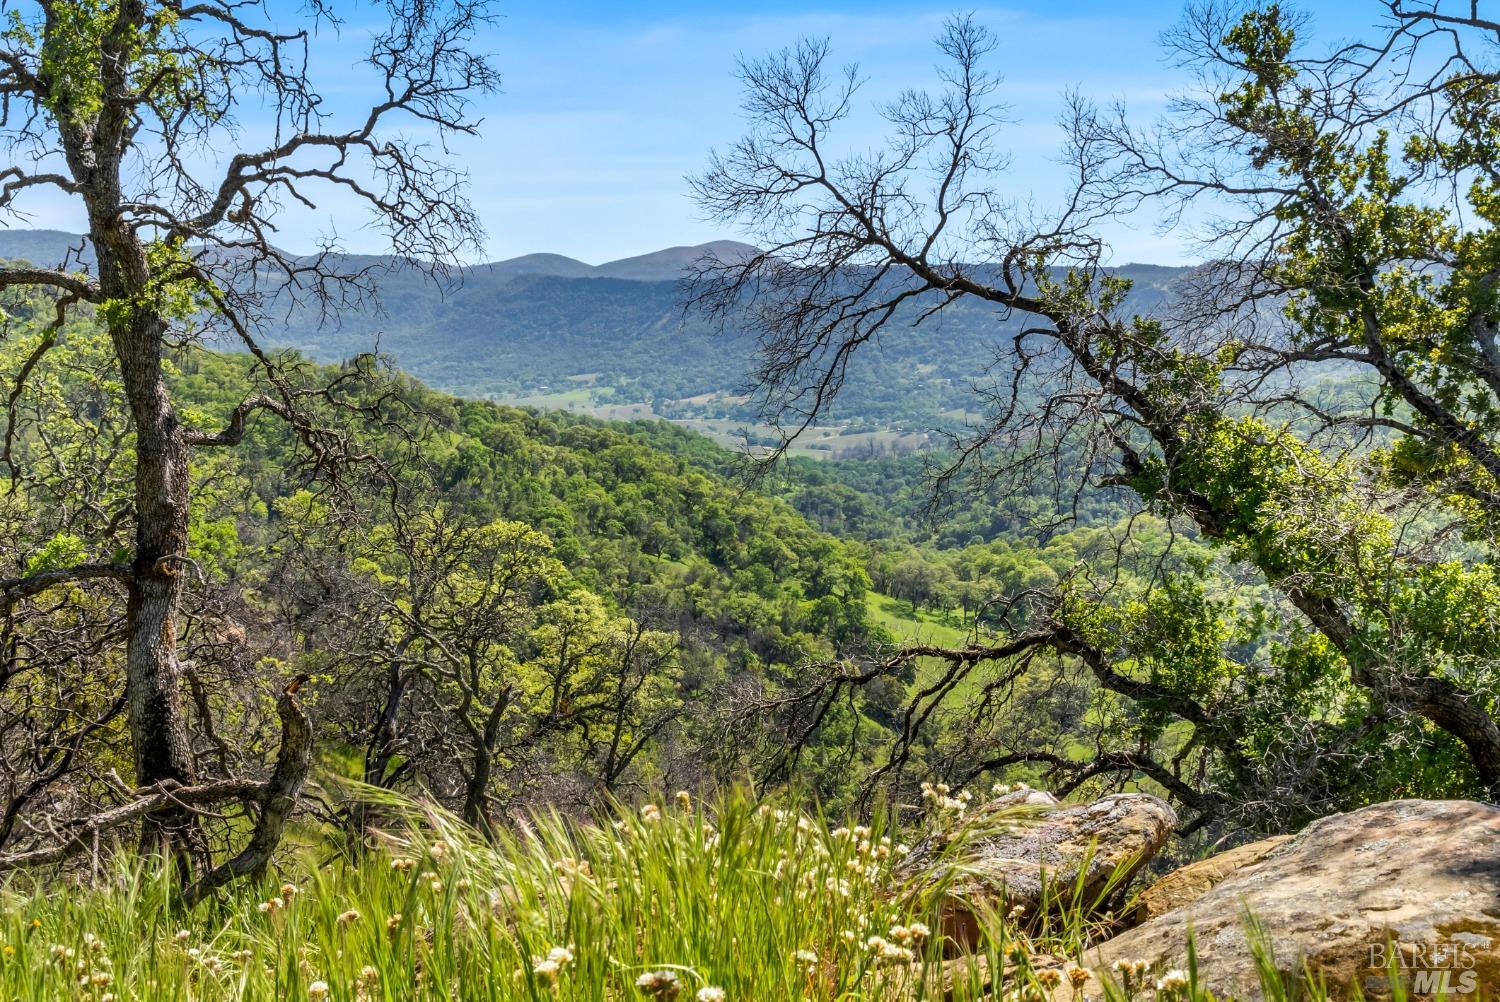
{"x":647,"y":599}
{"x":616,"y":341}
{"x":642,"y":614}
{"x":645,"y":614}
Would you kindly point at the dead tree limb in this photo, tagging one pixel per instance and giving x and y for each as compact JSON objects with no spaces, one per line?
{"x":276,"y":798}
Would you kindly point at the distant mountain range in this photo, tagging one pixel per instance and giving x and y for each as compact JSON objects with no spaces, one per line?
{"x":613,"y":340}
{"x":658,"y":266}
{"x":51,"y":247}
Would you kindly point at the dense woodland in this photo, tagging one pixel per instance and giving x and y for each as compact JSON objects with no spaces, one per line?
{"x":509,"y":609}
{"x":638,"y":602}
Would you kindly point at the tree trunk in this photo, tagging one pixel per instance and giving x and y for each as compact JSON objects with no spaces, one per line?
{"x":94,"y":141}
{"x":276,"y":803}
{"x":380,"y":749}
{"x":158,"y":726}
{"x":475,"y":812}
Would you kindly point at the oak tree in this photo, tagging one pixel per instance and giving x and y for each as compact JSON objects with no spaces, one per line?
{"x":1318,"y":400}
{"x":182,"y":132}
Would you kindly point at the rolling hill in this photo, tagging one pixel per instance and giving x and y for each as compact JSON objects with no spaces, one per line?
{"x":613,"y":340}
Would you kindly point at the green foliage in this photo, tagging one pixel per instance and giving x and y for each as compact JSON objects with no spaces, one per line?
{"x":1274,"y":500}
{"x":603,"y":543}
{"x":77,"y":39}
{"x":62,"y":550}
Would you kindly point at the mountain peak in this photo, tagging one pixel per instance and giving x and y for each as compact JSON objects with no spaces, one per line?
{"x":668,"y":264}
{"x":665,"y":265}
{"x":541,"y":264}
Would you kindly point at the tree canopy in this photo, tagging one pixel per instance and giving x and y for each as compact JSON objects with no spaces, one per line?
{"x":1344,"y":204}
{"x":137,"y":114}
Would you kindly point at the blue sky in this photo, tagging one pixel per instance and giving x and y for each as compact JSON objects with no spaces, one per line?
{"x":606,"y":106}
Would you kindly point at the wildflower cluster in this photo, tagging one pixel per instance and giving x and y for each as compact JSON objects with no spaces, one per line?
{"x":939,"y":799}
{"x":659,"y":984}
{"x":844,"y":867}
{"x":91,"y":970}
{"x":901,"y":944}
{"x":1133,"y":973}
{"x":1173,"y":981}
{"x":546,"y":970}
{"x":946,"y":809}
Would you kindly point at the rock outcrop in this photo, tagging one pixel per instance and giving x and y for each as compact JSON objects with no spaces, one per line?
{"x":1411,"y":883}
{"x":1061,"y":858}
{"x":1189,"y":883}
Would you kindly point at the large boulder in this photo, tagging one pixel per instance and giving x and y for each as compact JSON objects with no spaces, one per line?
{"x":1053,"y":858}
{"x":1414,"y":880}
{"x":1189,"y":883}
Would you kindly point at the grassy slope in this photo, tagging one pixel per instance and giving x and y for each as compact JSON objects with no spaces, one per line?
{"x":731,"y":904}
{"x":761,"y":904}
{"x":924,"y":626}
{"x":928,"y":627}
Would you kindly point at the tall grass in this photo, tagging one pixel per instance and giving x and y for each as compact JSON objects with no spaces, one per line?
{"x":737,"y":902}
